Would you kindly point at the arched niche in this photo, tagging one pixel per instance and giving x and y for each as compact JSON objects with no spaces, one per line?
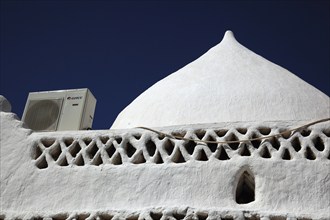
{"x":245,"y":187}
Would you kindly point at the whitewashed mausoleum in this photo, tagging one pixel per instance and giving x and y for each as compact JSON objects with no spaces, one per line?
{"x":219,"y":142}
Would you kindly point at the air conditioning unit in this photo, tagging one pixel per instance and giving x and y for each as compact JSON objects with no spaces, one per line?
{"x":60,"y":110}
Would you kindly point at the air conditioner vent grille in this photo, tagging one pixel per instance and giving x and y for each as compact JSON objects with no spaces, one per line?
{"x":43,"y":115}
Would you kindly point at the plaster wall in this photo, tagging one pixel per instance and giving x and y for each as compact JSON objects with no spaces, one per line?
{"x":229,"y":83}
{"x":297,"y":187}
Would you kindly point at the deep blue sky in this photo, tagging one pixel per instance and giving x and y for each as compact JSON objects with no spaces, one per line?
{"x":118,"y":49}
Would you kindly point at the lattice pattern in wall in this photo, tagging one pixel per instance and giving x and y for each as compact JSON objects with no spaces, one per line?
{"x":148,"y":147}
{"x":168,"y":214}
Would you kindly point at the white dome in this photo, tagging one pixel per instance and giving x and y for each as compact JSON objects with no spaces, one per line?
{"x":229,"y":83}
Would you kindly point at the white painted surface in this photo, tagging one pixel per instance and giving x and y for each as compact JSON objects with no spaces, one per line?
{"x":229,"y":83}
{"x":5,"y":105}
{"x":298,"y":187}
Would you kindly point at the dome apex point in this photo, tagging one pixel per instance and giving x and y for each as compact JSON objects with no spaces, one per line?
{"x":229,"y":35}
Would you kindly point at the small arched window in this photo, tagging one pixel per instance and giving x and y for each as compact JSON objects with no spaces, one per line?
{"x":245,"y":189}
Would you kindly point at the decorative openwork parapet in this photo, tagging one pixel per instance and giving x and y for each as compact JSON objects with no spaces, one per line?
{"x":169,"y":214}
{"x":138,"y":146}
